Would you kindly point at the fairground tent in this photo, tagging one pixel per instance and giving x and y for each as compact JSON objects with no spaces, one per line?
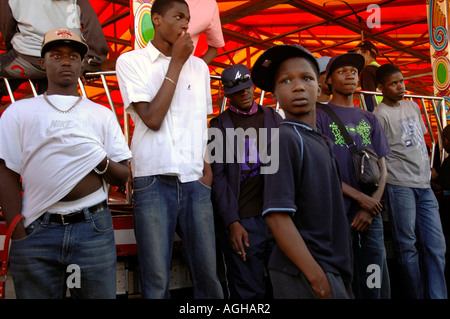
{"x":399,"y":28}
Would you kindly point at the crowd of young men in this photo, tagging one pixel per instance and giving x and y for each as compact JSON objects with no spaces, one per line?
{"x":303,"y":230}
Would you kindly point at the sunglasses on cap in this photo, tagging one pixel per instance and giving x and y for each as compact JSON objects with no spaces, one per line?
{"x":233,"y":83}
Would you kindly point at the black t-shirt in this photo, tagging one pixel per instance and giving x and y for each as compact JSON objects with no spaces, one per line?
{"x":251,"y":181}
{"x":307,"y":185}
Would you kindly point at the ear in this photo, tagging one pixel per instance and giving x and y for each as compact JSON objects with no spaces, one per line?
{"x":380,"y":87}
{"x":156,"y":19}
{"x":319,"y":89}
{"x":328,"y":82}
{"x":42,"y":63}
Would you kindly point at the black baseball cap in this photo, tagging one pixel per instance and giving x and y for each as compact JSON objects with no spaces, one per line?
{"x":235,"y":78}
{"x":347,"y":59}
{"x":263,"y":71}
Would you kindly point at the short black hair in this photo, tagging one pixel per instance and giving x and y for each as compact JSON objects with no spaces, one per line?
{"x":162,"y":6}
{"x":384,"y":71}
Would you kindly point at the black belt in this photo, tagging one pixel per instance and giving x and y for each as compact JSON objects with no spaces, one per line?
{"x":72,"y":218}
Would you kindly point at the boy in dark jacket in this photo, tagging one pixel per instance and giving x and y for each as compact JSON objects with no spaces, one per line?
{"x":237,"y":188}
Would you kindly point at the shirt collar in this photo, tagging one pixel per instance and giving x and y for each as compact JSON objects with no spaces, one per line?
{"x":252,"y":110}
{"x":153,"y":52}
{"x":302,"y":124}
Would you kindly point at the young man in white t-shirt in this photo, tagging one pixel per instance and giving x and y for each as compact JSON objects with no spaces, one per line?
{"x":167,"y":92}
{"x":65,"y":149}
{"x":410,"y":201}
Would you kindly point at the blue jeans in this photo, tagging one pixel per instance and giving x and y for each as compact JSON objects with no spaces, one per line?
{"x":418,"y":240}
{"x":163,"y":205}
{"x":368,"y":251}
{"x":40,"y":262}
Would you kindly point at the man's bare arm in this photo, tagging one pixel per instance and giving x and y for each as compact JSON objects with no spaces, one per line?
{"x":11,"y":198}
{"x":153,"y":113}
{"x":293,"y":245}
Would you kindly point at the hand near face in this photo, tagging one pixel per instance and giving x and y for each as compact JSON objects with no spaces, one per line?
{"x":183,"y":47}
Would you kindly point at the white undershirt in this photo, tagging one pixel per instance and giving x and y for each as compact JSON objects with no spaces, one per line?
{"x":72,"y":206}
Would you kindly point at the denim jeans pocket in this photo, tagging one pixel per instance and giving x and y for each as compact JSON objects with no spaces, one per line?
{"x":30,"y":230}
{"x":102,"y":221}
{"x":143,"y":183}
{"x":208,"y":187}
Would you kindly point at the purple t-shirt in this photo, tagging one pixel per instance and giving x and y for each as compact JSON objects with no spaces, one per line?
{"x":364,"y":129}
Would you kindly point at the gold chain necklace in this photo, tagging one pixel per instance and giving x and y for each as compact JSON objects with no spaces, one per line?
{"x":59,"y":110}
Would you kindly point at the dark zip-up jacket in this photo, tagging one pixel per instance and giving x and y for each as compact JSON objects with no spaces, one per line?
{"x":226,"y":176}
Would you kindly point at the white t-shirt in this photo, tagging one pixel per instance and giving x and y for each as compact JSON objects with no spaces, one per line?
{"x":408,"y":164}
{"x":54,"y":151}
{"x":35,"y":18}
{"x":177,"y":148}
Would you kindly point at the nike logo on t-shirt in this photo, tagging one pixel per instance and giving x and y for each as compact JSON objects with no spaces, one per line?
{"x":58,"y":126}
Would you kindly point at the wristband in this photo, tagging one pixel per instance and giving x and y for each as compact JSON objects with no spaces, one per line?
{"x":169,"y":79}
{"x":104,"y":170}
